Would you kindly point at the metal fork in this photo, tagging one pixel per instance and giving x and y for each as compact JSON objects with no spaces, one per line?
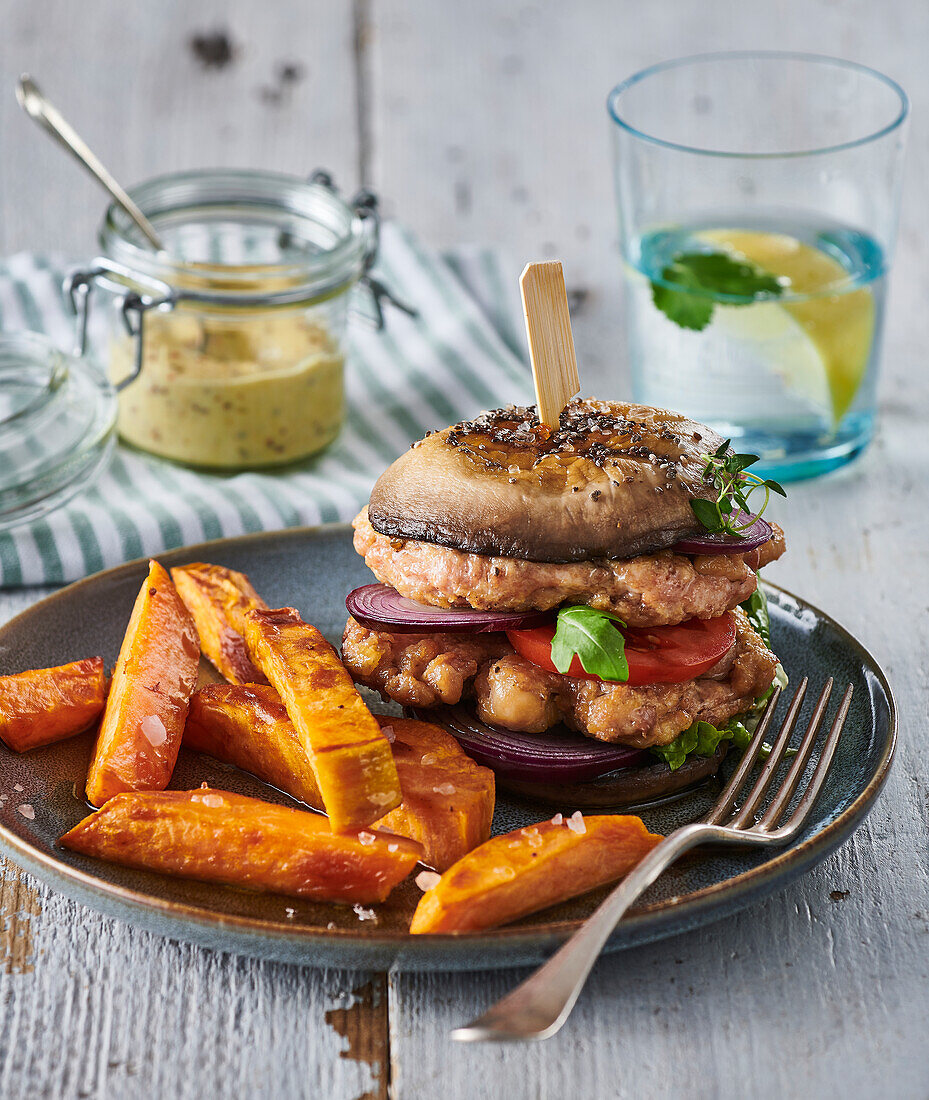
{"x":538,"y":1007}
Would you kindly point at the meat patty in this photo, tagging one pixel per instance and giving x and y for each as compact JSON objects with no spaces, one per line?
{"x":509,"y":691}
{"x":651,"y":590}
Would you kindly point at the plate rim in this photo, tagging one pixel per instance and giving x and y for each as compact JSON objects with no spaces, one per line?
{"x":686,"y":911}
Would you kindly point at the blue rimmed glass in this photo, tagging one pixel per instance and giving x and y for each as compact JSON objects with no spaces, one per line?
{"x":789,"y":164}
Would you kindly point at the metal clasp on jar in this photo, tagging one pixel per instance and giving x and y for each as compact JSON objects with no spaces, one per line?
{"x":133,"y":304}
{"x":365,"y":205}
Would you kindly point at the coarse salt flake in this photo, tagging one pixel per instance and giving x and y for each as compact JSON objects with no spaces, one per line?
{"x":331,"y":926}
{"x":364,"y":914}
{"x":388,"y":732}
{"x":381,"y":798}
{"x":428,"y":758}
{"x":425,"y":880}
{"x":576,"y":823}
{"x":534,"y":837}
{"x":445,"y":788}
{"x":366,"y":838}
{"x":289,"y":913}
{"x":153,"y":730}
{"x":393,"y":847}
{"x":17,"y":787}
{"x":214,"y":801}
{"x":558,"y":819}
{"x":27,"y":811}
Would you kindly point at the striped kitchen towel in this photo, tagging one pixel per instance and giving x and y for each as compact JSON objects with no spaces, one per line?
{"x":462,"y":354}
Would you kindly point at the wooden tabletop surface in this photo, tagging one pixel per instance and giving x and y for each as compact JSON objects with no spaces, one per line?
{"x":484,"y":121}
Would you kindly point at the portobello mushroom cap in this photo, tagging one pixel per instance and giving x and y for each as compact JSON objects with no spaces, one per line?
{"x":614,"y":481}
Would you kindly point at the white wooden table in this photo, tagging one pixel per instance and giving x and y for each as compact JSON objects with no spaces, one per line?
{"x":485,"y":121}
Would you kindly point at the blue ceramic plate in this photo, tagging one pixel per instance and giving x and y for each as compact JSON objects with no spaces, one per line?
{"x":313,"y":570}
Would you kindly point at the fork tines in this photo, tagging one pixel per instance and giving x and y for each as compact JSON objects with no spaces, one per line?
{"x":730,"y":813}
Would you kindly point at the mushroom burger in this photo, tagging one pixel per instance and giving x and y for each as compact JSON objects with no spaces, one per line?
{"x":554,"y":596}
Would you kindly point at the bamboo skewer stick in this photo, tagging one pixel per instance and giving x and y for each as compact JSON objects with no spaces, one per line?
{"x":551,"y":343}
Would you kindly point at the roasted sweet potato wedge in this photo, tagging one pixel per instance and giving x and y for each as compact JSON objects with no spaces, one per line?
{"x":222,"y":837}
{"x":49,"y":704}
{"x":529,"y":869}
{"x":350,"y":757}
{"x":447,"y":799}
{"x":247,"y":725}
{"x":218,"y":599}
{"x":146,"y":708}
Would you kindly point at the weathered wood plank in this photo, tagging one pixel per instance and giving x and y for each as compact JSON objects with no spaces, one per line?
{"x":150,"y":100}
{"x":99,"y":1009}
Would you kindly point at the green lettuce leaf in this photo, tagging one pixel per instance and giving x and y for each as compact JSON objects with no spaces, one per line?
{"x":756,"y":608}
{"x":702,"y":739}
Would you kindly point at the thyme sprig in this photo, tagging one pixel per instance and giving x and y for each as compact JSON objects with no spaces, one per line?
{"x":735,"y":485}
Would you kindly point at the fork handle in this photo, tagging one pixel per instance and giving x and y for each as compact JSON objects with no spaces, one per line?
{"x":539,"y":1006}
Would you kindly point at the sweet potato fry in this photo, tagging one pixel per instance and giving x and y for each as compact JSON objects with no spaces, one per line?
{"x":350,"y":757}
{"x":531,"y":868}
{"x":218,"y":600}
{"x":248,"y":726}
{"x":222,"y":837}
{"x":49,"y":704}
{"x":146,"y":708}
{"x":448,"y":800}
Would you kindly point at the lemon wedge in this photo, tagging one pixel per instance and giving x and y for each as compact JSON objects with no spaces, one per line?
{"x":819,"y":346}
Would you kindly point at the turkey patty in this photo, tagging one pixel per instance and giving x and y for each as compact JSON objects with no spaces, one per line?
{"x":427,"y":670}
{"x":658,"y":589}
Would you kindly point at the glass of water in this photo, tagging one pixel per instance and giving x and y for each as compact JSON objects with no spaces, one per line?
{"x":758,"y":197}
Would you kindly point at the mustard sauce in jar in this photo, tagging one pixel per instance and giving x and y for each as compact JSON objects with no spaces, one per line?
{"x":228,"y":348}
{"x":216,"y":393}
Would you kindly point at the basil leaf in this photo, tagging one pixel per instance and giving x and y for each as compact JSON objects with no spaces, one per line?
{"x":756,"y":608}
{"x":593,"y":637}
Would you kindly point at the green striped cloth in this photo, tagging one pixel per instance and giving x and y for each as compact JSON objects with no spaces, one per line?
{"x":462,"y":354}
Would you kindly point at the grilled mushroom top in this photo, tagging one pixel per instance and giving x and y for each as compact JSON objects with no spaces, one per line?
{"x":614,"y":481}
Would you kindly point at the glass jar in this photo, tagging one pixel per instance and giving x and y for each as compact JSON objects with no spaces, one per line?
{"x":228,"y":348}
{"x":57,"y":419}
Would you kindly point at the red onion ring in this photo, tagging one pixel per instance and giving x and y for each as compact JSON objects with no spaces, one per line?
{"x":380,"y":607}
{"x":752,"y":537}
{"x":558,"y":755}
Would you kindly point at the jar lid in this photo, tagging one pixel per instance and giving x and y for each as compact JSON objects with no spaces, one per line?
{"x":232,"y":234}
{"x":57,"y":420}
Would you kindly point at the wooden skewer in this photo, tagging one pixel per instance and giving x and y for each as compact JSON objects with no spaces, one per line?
{"x":551,"y":343}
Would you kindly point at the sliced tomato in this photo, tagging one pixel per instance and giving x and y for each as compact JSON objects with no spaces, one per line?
{"x":656,"y":655}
